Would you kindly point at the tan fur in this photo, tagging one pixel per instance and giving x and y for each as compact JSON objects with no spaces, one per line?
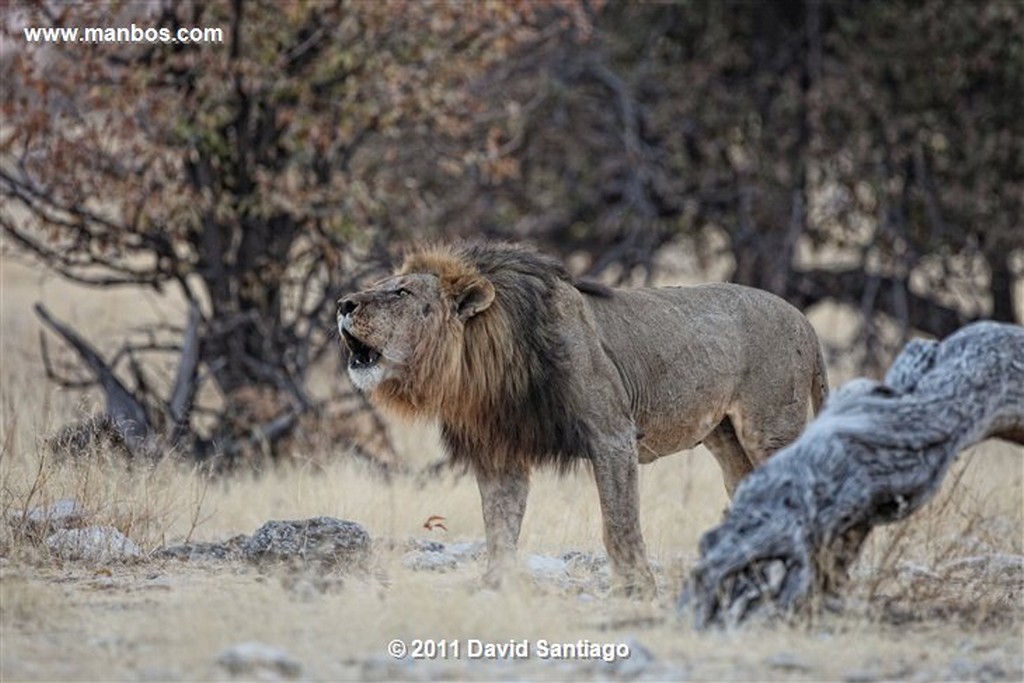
{"x":522,"y":367}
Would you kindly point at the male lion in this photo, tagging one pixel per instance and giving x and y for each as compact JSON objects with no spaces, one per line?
{"x":523,"y":367}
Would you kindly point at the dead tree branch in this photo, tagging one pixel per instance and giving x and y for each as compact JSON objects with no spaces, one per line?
{"x":127,"y":413}
{"x":875,"y":455}
{"x":184,"y":390}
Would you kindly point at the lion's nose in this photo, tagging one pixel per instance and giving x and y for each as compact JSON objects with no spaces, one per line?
{"x":347,"y":305}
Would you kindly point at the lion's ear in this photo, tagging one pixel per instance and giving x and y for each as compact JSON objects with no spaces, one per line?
{"x":471,"y":294}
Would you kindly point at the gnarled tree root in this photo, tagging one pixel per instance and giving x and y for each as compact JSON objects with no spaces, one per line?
{"x":875,"y":454}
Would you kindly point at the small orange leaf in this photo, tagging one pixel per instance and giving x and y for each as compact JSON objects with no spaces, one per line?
{"x":434,"y":522}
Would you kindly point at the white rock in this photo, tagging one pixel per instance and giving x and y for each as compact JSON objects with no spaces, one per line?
{"x":61,"y":514}
{"x":787,"y":661}
{"x":259,"y":660}
{"x":93,"y":544}
{"x":542,"y":566}
{"x":429,"y":560}
{"x":466,"y":550}
{"x":322,"y":541}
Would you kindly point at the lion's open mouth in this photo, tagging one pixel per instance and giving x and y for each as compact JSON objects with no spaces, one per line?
{"x":360,"y":355}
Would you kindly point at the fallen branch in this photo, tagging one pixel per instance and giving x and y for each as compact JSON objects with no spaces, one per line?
{"x":875,"y":454}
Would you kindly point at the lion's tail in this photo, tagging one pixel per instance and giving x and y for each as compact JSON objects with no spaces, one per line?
{"x":819,"y":383}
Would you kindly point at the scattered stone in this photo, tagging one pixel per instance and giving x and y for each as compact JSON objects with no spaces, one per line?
{"x":192,"y":552}
{"x":787,"y":661}
{"x":424,"y":545}
{"x":323,"y":542}
{"x":466,"y":550}
{"x":429,"y":560}
{"x":65,"y":513}
{"x":542,"y":567}
{"x":100,"y":544}
{"x":965,"y":669}
{"x":587,"y":562}
{"x":640,"y":660}
{"x":588,"y":571}
{"x":439,"y":557}
{"x":257,"y":660}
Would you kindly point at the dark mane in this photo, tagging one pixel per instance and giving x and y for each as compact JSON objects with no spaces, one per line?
{"x":516,"y":404}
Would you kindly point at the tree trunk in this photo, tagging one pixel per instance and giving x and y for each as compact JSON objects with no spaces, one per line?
{"x":875,"y":454}
{"x":1001,"y":287}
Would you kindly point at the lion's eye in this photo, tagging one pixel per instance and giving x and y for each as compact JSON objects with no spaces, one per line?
{"x":402,"y":291}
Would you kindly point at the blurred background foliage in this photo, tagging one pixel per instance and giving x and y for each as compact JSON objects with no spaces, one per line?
{"x":868,"y":154}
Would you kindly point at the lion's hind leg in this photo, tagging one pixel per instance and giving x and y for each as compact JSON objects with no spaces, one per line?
{"x":725,"y":446}
{"x":746,"y":438}
{"x":764,"y":428}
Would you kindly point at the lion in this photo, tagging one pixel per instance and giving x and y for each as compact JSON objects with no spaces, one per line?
{"x":525,"y":366}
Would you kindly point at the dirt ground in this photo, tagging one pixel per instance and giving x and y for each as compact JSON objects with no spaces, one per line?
{"x":171,"y":622}
{"x":940,"y":597}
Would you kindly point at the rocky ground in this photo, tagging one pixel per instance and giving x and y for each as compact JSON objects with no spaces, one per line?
{"x":320,"y":599}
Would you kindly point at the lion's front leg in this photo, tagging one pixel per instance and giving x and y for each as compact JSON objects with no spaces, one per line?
{"x":615,"y":471}
{"x":503,"y":497}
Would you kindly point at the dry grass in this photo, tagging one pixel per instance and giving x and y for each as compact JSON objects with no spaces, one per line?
{"x":922,"y":604}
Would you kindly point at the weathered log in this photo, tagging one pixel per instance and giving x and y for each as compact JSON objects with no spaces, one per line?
{"x":875,"y":454}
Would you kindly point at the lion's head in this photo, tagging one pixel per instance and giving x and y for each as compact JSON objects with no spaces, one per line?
{"x":406,"y":329}
{"x":449,"y":312}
